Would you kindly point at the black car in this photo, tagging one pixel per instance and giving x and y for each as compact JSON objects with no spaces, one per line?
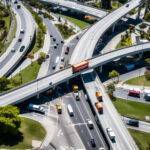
{"x":22,"y":48}
{"x":15,"y":2}
{"x":54,"y":39}
{"x":92,"y":142}
{"x":133,"y":122}
{"x":53,"y":67}
{"x":55,"y":47}
{"x":62,"y":42}
{"x":20,"y":40}
{"x":18,"y":6}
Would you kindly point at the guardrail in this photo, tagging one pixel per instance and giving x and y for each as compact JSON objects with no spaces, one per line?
{"x":60,"y":71}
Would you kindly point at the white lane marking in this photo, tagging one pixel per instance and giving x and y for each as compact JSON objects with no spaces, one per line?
{"x":91,"y":119}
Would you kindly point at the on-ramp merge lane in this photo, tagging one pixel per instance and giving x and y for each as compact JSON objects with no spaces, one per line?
{"x":85,"y":47}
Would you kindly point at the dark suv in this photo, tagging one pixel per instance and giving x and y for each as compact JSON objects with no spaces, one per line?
{"x":22,"y":48}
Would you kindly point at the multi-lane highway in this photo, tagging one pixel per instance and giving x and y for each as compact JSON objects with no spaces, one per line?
{"x":14,"y":54}
{"x":110,"y":117}
{"x":44,"y":83}
{"x":85,"y":51}
{"x":78,"y":7}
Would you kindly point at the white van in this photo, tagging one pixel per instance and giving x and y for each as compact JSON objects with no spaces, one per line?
{"x":36,"y":108}
{"x":70,"y":110}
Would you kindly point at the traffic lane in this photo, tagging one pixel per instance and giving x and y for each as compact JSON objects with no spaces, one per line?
{"x":55,"y":53}
{"x":97,"y":134}
{"x":76,"y":119}
{"x":80,"y":123}
{"x":17,"y":44}
{"x":54,"y":32}
{"x":123,"y":93}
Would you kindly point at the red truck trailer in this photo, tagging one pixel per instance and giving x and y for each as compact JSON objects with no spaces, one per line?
{"x":80,"y":66}
{"x":134,"y":93}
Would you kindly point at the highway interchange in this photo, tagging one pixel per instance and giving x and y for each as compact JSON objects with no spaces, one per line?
{"x":56,"y":77}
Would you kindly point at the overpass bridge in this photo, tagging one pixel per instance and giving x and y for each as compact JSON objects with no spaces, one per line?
{"x":37,"y":86}
{"x":78,"y":7}
{"x":86,"y":45}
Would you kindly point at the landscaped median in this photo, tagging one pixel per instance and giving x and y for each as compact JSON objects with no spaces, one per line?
{"x":132,"y":109}
{"x":65,"y":31}
{"x":141,"y":81}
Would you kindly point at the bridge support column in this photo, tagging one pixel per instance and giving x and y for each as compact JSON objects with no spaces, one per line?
{"x":113,"y":27}
{"x":38,"y":96}
{"x":139,"y":12}
{"x":140,"y":55}
{"x":100,"y":69}
{"x":147,"y":3}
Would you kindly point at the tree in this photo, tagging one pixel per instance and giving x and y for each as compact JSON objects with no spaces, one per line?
{"x":110,"y":90}
{"x":147,"y":75}
{"x":4,"y":83}
{"x":9,"y":121}
{"x":114,"y":74}
{"x":106,"y":4}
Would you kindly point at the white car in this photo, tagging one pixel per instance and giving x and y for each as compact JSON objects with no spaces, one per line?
{"x":110,"y":133}
{"x":90,"y":124}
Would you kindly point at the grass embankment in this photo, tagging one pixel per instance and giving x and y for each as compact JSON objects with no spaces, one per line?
{"x":142,"y":139}
{"x":132,"y":109}
{"x":11,"y":35}
{"x":26,"y":75}
{"x":31,"y":130}
{"x":138,"y":81}
{"x":65,"y":31}
{"x":5,"y":22}
{"x":40,"y":34}
{"x":81,"y":24}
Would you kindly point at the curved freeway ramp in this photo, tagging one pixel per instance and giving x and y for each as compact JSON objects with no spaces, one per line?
{"x":78,"y":7}
{"x":11,"y":59}
{"x":85,"y":47}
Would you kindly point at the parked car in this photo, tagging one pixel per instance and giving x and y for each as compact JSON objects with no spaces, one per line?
{"x":133,"y":122}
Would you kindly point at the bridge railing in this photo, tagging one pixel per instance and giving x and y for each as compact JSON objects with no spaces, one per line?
{"x":6,"y":92}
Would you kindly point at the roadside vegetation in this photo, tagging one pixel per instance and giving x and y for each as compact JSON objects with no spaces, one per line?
{"x":18,"y":132}
{"x":5,"y":22}
{"x":81,"y":24}
{"x":40,"y":34}
{"x":132,"y":109}
{"x":65,"y":31}
{"x":26,"y":75}
{"x":142,"y":139}
{"x":125,"y":41}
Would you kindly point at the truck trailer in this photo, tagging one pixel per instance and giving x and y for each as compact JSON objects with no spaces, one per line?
{"x":99,"y":107}
{"x":80,"y":66}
